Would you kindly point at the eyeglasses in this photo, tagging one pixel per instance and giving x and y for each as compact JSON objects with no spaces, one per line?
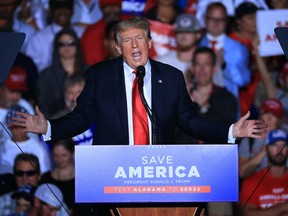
{"x":27,"y":173}
{"x":66,"y":43}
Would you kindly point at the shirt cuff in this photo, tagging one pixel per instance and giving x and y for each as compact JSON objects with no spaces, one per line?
{"x":47,"y":136}
{"x":231,"y":139}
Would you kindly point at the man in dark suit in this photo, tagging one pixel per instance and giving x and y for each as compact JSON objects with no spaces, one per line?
{"x":107,"y":100}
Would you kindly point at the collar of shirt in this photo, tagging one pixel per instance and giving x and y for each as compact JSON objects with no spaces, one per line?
{"x":86,"y":13}
{"x":55,"y":28}
{"x":219,"y":39}
{"x":128,"y":72}
{"x":83,"y":6}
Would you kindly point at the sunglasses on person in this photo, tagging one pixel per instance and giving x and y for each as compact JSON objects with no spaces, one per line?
{"x":66,"y":43}
{"x":27,"y":173}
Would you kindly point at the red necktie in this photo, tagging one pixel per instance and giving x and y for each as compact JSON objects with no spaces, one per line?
{"x":140,"y":119}
{"x":213,"y":45}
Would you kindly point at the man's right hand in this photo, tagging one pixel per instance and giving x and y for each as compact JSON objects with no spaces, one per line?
{"x":31,"y":123}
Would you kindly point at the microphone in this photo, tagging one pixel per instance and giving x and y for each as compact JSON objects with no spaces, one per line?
{"x":141,"y":74}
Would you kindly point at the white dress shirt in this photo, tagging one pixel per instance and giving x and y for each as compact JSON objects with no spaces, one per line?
{"x":219,"y":39}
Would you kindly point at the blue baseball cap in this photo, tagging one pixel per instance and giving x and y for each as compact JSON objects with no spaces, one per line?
{"x":276,"y":135}
{"x":12,"y":113}
{"x":26,"y":191}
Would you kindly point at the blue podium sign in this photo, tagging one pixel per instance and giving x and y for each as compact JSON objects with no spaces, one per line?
{"x":155,"y":174}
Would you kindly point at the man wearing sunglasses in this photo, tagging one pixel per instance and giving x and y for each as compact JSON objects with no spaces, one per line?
{"x":26,"y":171}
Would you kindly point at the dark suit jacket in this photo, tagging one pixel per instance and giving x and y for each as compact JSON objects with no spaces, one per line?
{"x":103,"y":100}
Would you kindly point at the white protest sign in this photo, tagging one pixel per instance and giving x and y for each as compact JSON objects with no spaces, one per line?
{"x":267,"y":20}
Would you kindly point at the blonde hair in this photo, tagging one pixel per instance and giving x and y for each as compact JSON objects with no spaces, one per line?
{"x":135,"y":22}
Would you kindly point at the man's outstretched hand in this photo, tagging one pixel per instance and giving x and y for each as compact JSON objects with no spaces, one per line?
{"x":31,"y":123}
{"x":249,"y":128}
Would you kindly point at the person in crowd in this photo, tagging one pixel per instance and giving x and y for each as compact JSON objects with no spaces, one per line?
{"x":112,"y":112}
{"x":274,"y":84}
{"x":40,"y":46}
{"x":13,"y":88}
{"x":211,"y":101}
{"x":164,"y":11}
{"x":24,"y":198}
{"x":245,"y":33}
{"x":67,"y":60}
{"x":26,"y":171}
{"x":86,"y":12}
{"x":10,"y":95}
{"x":8,"y":22}
{"x":274,"y":4}
{"x":163,"y":16}
{"x":93,"y":39}
{"x":109,"y":41}
{"x":252,"y":153}
{"x":73,"y":86}
{"x":270,"y":196}
{"x":7,"y":182}
{"x":48,"y":201}
{"x":21,"y":142}
{"x":23,"y":62}
{"x":246,"y":29}
{"x":33,"y":13}
{"x":187,"y":31}
{"x":232,"y":57}
{"x":63,"y":174}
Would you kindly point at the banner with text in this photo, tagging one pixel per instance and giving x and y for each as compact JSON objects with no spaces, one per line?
{"x":267,"y":20}
{"x":173,"y":173}
{"x":133,"y":7}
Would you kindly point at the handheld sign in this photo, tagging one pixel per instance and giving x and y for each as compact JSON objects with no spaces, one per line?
{"x":267,"y":21}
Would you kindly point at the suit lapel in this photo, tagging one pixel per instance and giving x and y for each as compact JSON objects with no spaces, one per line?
{"x":118,"y":85}
{"x":157,"y":90}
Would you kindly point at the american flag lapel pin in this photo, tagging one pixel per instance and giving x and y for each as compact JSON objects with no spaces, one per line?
{"x":160,"y":81}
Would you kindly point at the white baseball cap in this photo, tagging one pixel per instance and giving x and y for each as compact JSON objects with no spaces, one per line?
{"x":53,"y":197}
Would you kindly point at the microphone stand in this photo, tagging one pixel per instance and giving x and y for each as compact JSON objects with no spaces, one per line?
{"x":148,"y":110}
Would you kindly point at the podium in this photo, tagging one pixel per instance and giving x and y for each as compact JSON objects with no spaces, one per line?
{"x":151,"y":180}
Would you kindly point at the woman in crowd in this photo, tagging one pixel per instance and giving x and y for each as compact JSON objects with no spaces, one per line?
{"x":164,"y":11}
{"x":63,"y":175}
{"x":67,"y":60}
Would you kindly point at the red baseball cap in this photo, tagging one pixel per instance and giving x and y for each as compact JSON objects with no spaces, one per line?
{"x":16,"y":80}
{"x":273,"y":106}
{"x":103,"y":3}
